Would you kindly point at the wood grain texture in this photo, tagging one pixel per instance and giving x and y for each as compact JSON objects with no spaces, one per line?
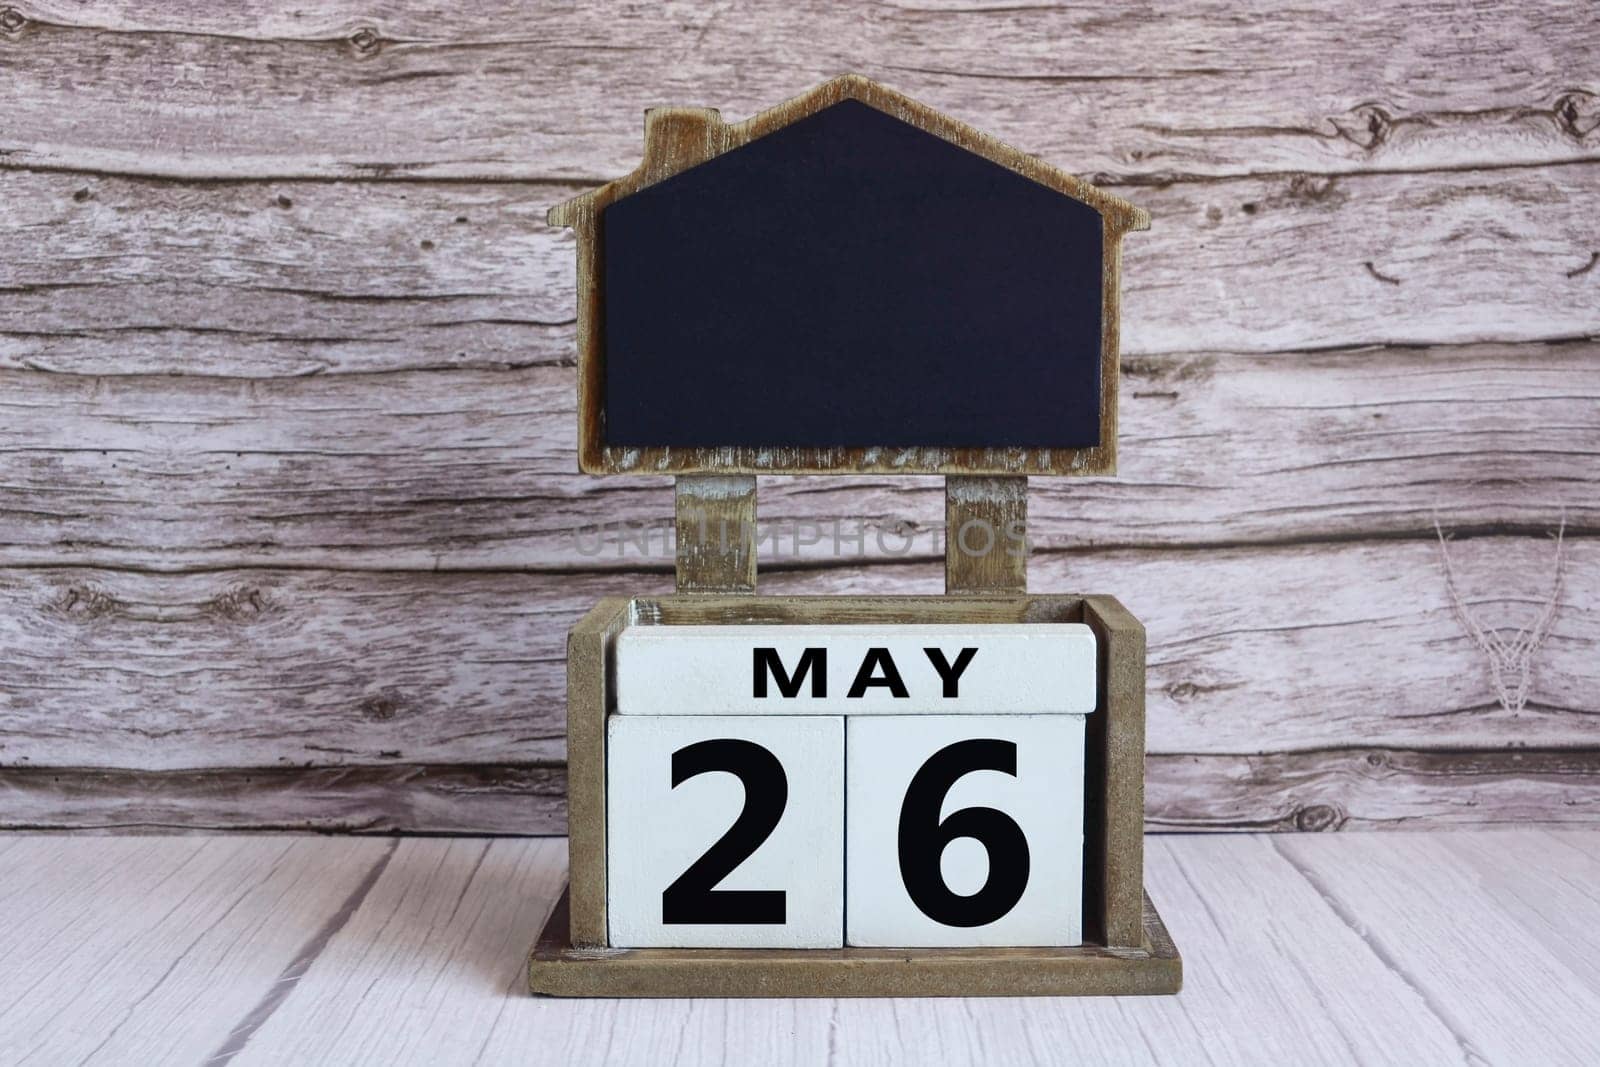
{"x":985,"y":534}
{"x":1386,"y":894}
{"x":405,"y":471}
{"x":1557,"y":879}
{"x":151,"y":949}
{"x":557,"y":968}
{"x":1264,"y":943}
{"x":589,"y":700}
{"x":264,"y":279}
{"x":247,"y":411}
{"x":443,"y":928}
{"x":1378,"y":788}
{"x":393,"y":797}
{"x":511,"y":92}
{"x":1317,"y":790}
{"x":1314,"y":950}
{"x":286,"y":667}
{"x":364,"y":689}
{"x":1114,"y":772}
{"x":714,"y":518}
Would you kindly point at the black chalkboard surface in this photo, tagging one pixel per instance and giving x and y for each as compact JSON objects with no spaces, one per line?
{"x":851,"y":281}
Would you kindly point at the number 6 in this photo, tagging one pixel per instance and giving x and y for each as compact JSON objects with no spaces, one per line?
{"x":923,"y":837}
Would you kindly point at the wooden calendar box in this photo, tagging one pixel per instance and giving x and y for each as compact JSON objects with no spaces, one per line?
{"x":844,"y":795}
{"x":1124,"y":946}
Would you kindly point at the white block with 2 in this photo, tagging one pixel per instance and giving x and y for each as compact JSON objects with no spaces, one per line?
{"x":725,"y":831}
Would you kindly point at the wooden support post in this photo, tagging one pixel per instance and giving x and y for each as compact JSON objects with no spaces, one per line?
{"x":985,"y":525}
{"x":1113,"y":860}
{"x":716,"y":529}
{"x":588,"y":700}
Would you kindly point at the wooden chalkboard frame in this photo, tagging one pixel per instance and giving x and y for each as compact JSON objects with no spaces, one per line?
{"x":677,"y":138}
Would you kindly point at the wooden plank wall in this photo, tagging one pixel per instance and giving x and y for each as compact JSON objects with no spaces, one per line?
{"x":287,"y":482}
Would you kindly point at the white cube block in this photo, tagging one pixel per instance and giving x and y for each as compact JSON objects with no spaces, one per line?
{"x":964,"y":830}
{"x":746,"y":850}
{"x":856,"y":669}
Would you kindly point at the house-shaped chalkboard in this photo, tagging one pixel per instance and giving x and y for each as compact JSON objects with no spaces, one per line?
{"x":848,"y":282}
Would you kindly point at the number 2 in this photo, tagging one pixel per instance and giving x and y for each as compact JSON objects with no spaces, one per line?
{"x":694,"y":898}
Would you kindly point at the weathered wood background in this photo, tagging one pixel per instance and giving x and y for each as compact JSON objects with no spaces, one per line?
{"x":287,"y":482}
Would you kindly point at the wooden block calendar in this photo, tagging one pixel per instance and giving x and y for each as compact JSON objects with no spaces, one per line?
{"x":848,"y":795}
{"x":987,"y":721}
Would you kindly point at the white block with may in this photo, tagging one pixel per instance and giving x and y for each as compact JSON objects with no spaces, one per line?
{"x":725,"y":831}
{"x":1046,"y":668}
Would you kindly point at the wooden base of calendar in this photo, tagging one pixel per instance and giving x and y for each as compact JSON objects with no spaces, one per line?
{"x":558,"y":969}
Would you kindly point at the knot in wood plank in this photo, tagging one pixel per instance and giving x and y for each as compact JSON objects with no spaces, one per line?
{"x":86,"y":602}
{"x":1577,"y":113}
{"x":1318,"y":817}
{"x":240,"y":602}
{"x":366,"y":41}
{"x":381,"y":707}
{"x":1315,"y":189}
{"x":1367,"y":126}
{"x":12,"y":21}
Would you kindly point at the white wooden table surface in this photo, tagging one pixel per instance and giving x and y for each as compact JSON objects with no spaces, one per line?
{"x":1376,"y":948}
